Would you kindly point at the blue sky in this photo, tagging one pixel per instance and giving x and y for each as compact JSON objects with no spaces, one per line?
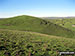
{"x":38,"y":8}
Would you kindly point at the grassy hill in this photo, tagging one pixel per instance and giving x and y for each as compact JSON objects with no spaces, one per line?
{"x":24,"y":43}
{"x":34,"y":24}
{"x":65,"y":22}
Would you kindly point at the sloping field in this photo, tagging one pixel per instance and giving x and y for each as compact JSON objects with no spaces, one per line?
{"x":24,"y":43}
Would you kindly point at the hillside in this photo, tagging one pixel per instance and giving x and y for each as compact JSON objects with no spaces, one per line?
{"x":66,"y":22}
{"x":24,"y":43}
{"x":34,"y":24}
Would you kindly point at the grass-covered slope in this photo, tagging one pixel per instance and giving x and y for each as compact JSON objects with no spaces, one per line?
{"x":34,"y":24}
{"x":66,"y":22}
{"x":23,"y":43}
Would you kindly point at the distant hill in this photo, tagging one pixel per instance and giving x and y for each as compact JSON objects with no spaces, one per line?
{"x":34,"y":24}
{"x":57,"y":17}
{"x":66,"y":22}
{"x":2,"y":18}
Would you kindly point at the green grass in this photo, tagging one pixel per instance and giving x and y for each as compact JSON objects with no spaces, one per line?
{"x":24,"y":43}
{"x":34,"y":24}
{"x":32,"y":36}
{"x":67,"y":23}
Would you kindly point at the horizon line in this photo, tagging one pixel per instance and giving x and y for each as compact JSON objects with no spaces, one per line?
{"x":36,"y":16}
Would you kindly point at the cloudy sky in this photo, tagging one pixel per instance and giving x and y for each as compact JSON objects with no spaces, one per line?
{"x":38,"y":8}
